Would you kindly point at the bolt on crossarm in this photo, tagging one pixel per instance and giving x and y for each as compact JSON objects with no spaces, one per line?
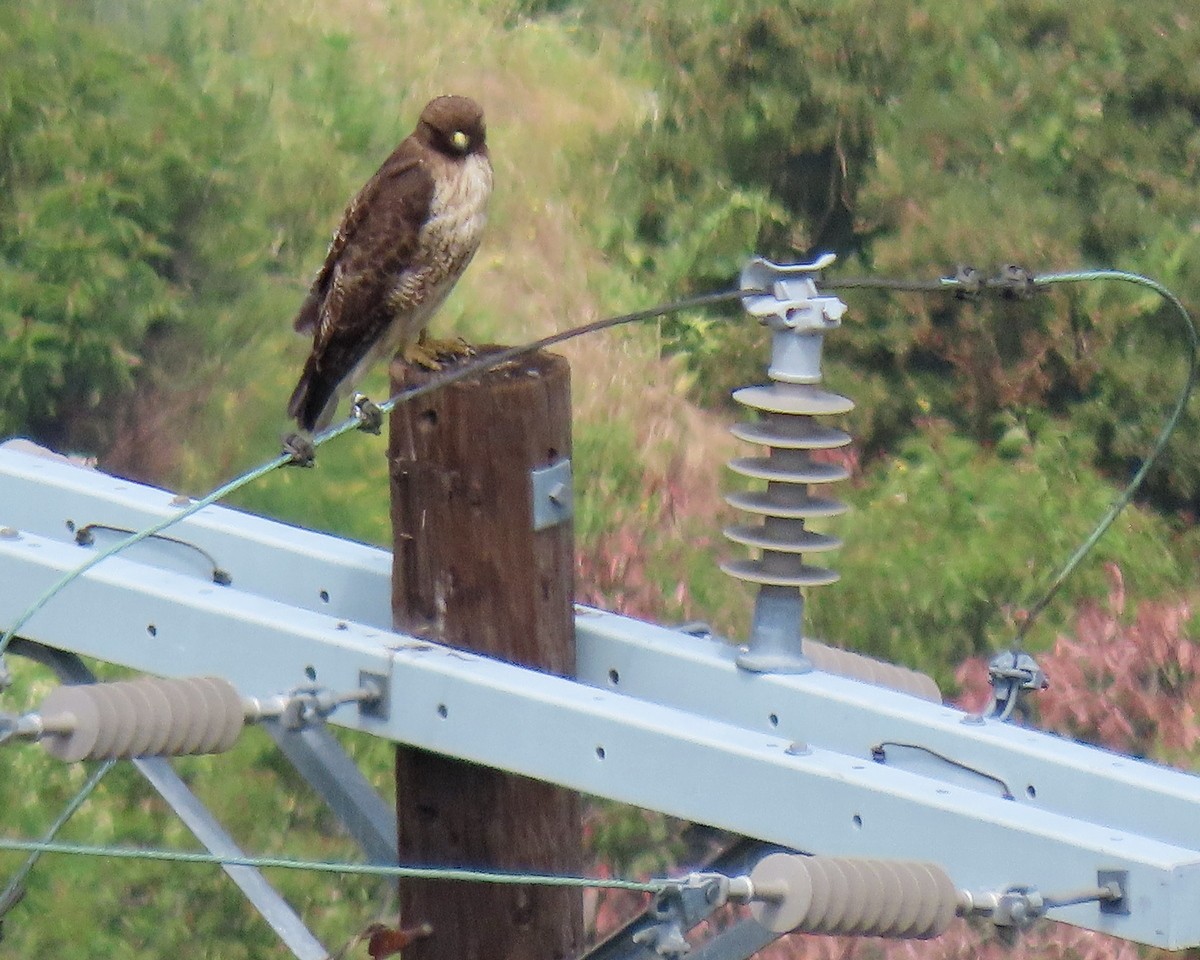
{"x":798,"y":317}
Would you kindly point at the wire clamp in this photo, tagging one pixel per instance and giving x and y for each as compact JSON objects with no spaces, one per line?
{"x":300,"y":451}
{"x":1012,"y":674}
{"x":665,"y":936}
{"x":718,"y":889}
{"x":26,"y":726}
{"x":967,"y":282}
{"x":1015,"y":283}
{"x":1015,"y":909}
{"x":792,"y":302}
{"x":366,"y":411}
{"x":308,"y":705}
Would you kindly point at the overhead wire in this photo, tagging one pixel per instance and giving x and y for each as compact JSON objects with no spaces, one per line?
{"x":12,"y":892}
{"x":354,"y":422}
{"x":498,"y":358}
{"x":460,"y":874}
{"x":1015,"y":281}
{"x":1164,"y":435}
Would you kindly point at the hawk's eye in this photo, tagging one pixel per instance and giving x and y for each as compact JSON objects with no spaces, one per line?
{"x":460,"y":140}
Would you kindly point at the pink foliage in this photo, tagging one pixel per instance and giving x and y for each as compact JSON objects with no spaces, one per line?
{"x":962,"y":941}
{"x":613,"y":575}
{"x":1128,"y":685}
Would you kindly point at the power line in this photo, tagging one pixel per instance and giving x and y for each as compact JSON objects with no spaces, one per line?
{"x":1013,"y":283}
{"x":12,"y":892}
{"x":1018,"y":283}
{"x":1126,"y":496}
{"x":353,"y":422}
{"x":459,"y":874}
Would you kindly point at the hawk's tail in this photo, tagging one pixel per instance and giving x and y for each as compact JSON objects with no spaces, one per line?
{"x":312,"y":400}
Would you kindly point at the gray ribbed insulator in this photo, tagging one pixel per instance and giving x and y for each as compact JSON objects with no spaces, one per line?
{"x":882,"y":674}
{"x":151,"y":716}
{"x":790,"y":433}
{"x":853,"y":897}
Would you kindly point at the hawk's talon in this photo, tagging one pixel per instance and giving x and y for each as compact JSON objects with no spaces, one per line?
{"x":429,"y":352}
{"x":368,"y":414}
{"x":300,"y":449}
{"x":452,"y":348}
{"x":416,"y":355}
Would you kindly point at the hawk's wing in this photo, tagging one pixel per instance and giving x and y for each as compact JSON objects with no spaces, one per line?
{"x":400,"y":191}
{"x":347,"y":307}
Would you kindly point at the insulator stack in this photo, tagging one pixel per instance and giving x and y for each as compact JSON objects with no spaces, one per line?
{"x":853,"y":897}
{"x":786,"y":299}
{"x":789,"y":431}
{"x":151,"y":716}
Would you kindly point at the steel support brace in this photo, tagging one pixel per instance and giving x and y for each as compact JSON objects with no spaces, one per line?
{"x":320,"y":759}
{"x":204,"y":826}
{"x":660,"y":720}
{"x":741,"y":940}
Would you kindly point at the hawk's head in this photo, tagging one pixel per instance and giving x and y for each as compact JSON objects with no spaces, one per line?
{"x":453,"y":126}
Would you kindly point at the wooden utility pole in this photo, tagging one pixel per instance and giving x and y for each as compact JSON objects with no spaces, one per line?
{"x":471,"y":571}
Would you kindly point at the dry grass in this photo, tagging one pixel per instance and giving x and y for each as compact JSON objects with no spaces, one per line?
{"x":547,"y":100}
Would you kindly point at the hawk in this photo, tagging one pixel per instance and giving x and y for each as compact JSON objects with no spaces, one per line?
{"x":403,"y":242}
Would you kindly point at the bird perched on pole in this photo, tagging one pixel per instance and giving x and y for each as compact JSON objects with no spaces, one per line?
{"x":403,"y":242}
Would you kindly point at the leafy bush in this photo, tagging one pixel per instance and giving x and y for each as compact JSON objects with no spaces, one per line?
{"x":112,"y":165}
{"x":948,"y":543}
{"x":912,"y":138}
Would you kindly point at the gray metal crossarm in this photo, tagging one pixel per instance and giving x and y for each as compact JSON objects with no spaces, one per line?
{"x":45,"y":494}
{"x":1036,"y":769}
{"x":668,"y":722}
{"x":604,"y":743}
{"x":172,"y":624}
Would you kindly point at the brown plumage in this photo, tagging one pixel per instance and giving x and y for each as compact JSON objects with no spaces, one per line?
{"x":379,"y":941}
{"x":402,"y":243}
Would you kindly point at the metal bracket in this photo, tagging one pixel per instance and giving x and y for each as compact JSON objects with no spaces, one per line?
{"x":1012,"y":674}
{"x":378,"y":707}
{"x":795,"y":311}
{"x":793,"y":302}
{"x":1118,"y":905}
{"x":553,"y":494}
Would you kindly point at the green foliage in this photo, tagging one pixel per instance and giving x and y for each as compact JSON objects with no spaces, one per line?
{"x":169,"y":173}
{"x":910,"y":138}
{"x":947,"y":543}
{"x":113,"y":168}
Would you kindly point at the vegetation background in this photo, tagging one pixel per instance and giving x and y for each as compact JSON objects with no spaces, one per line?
{"x":169,"y":176}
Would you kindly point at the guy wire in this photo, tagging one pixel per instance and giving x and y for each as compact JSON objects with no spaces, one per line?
{"x":353,"y":422}
{"x":1015,"y":280}
{"x":333,"y":866}
{"x":13,"y":892}
{"x":503,"y":356}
